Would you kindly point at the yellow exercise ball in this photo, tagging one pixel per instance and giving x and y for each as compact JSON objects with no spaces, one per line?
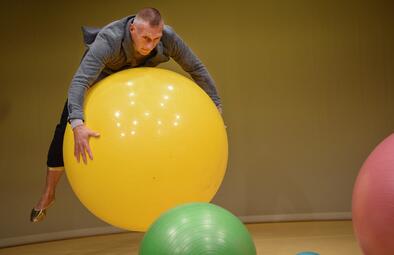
{"x":162,"y":143}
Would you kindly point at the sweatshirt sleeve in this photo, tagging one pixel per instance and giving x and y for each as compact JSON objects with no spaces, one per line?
{"x":93,"y":62}
{"x":189,"y":62}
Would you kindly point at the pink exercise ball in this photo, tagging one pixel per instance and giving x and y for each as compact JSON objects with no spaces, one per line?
{"x":373,"y":201}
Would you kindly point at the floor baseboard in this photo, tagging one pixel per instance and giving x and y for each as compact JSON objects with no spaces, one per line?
{"x":21,"y":240}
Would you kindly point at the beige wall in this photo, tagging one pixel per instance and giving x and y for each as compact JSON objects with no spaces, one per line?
{"x":307,"y":88}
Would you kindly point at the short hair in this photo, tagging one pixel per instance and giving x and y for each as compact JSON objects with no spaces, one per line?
{"x":150,"y":15}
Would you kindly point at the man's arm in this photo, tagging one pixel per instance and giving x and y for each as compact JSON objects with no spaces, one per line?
{"x":90,"y":68}
{"x":189,"y":62}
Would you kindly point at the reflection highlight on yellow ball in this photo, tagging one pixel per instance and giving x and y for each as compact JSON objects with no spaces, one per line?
{"x":162,"y":143}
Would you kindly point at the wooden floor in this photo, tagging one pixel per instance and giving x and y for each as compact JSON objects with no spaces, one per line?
{"x":325,"y":238}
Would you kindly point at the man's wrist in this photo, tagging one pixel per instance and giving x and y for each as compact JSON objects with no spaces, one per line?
{"x":76,"y":123}
{"x":220,"y":109}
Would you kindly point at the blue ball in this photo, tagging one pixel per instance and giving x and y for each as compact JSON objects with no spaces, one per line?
{"x":307,"y":253}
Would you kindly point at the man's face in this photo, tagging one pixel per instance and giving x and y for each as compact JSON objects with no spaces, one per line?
{"x":145,"y":37}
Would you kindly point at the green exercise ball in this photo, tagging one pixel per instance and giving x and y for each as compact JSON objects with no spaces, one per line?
{"x":197,"y":228}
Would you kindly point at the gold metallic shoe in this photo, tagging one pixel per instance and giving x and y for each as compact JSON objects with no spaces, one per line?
{"x":39,"y":215}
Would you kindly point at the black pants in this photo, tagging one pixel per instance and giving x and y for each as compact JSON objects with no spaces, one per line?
{"x":55,"y":153}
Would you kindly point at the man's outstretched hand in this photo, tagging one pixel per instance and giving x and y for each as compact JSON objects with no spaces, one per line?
{"x":81,"y":142}
{"x":220,"y":109}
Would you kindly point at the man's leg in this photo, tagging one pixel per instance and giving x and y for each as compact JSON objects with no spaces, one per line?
{"x":48,"y":195}
{"x":55,"y":168}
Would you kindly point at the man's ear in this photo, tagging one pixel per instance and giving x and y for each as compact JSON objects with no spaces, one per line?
{"x":132,"y":27}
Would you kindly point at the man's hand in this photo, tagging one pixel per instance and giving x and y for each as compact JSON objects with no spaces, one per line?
{"x":81,"y":142}
{"x":220,"y":109}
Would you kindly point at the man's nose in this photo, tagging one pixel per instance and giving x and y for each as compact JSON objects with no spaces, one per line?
{"x":149,"y":46}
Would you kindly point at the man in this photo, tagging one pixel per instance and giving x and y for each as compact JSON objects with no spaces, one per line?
{"x":134,"y":41}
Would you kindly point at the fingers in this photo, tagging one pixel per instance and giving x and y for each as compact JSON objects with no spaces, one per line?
{"x":94,"y":134}
{"x":88,"y":150}
{"x":79,"y":149}
{"x":76,"y":152}
{"x":82,"y":149}
{"x":81,"y":143}
{"x":86,"y":143}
